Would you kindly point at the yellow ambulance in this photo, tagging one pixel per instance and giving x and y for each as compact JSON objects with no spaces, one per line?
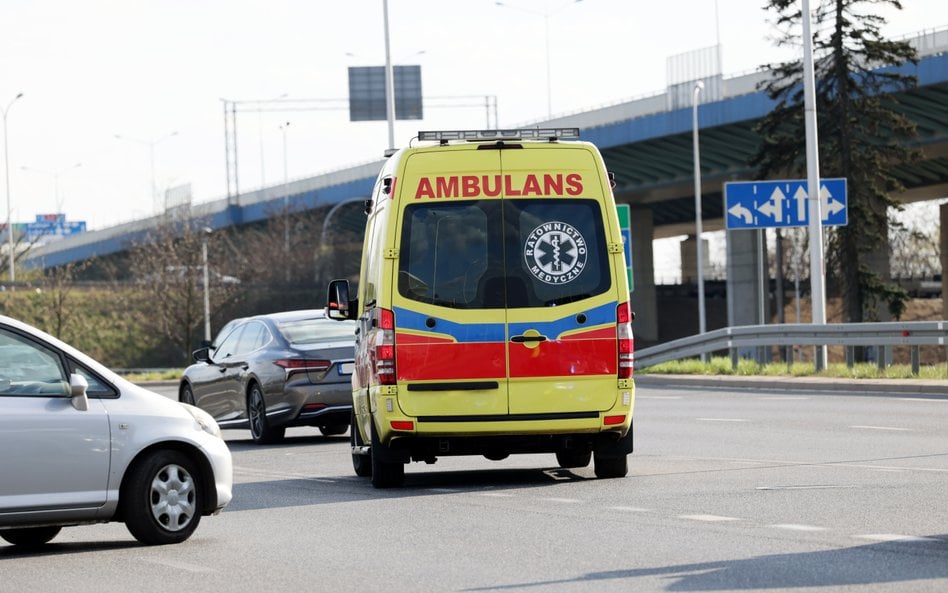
{"x":493,"y":306}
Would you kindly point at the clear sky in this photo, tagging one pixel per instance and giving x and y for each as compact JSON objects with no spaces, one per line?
{"x":154,"y":72}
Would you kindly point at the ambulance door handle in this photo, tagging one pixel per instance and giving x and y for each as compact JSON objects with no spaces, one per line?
{"x":522,"y":339}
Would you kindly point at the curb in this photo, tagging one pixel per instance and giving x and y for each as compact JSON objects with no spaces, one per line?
{"x":867,"y":386}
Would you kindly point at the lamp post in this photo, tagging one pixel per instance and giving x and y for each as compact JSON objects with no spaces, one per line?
{"x":815,"y":223}
{"x":286,"y":193}
{"x":151,"y":158}
{"x":207,"y":288}
{"x":6,"y":158}
{"x":55,"y":175}
{"x":546,"y":28}
{"x":698,"y":224}
{"x":260,"y":108}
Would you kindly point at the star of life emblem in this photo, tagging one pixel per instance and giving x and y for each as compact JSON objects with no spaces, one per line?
{"x":555,"y":253}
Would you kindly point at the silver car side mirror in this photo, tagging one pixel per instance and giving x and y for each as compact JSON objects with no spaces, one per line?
{"x":78,"y":387}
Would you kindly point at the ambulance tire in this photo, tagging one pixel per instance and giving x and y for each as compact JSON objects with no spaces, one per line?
{"x":573,"y":458}
{"x":362,"y":464}
{"x":611,"y":467}
{"x":385,"y":474}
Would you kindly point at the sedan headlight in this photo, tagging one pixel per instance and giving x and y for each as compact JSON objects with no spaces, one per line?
{"x":204,"y":420}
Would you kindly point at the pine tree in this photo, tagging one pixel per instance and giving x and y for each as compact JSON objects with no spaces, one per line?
{"x":861,"y":136}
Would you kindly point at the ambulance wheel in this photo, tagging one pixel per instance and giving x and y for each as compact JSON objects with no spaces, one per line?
{"x":573,"y":458}
{"x":385,"y":474}
{"x":362,"y":464}
{"x":611,"y":467}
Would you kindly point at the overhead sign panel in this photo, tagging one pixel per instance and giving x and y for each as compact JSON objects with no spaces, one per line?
{"x":367,"y":93}
{"x":777,"y":204}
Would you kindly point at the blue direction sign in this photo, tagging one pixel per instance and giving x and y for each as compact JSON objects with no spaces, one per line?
{"x":771,"y":204}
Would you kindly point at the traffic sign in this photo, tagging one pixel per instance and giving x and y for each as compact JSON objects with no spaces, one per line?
{"x":771,"y":204}
{"x":625,"y":225}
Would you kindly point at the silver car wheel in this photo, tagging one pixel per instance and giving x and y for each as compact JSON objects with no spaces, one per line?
{"x":173,"y":497}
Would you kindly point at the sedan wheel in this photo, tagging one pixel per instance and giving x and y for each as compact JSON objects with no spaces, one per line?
{"x":29,"y":536}
{"x":260,"y":428}
{"x":161,"y":499}
{"x":187,"y":396}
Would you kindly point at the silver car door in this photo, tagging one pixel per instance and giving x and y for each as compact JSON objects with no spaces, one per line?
{"x":54,"y":458}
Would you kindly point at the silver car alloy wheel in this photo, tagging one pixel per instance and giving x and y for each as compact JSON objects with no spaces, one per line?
{"x":173,"y":499}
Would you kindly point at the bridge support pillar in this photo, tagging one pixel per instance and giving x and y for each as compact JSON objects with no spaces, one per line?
{"x":643,"y":297}
{"x":943,"y":209}
{"x":689,"y":259}
{"x":747,"y":290}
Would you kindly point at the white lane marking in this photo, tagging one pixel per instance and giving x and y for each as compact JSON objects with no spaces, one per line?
{"x":796,"y":527}
{"x":808,"y":487}
{"x":709,"y":518}
{"x":630,"y":509}
{"x":563,"y":500}
{"x":859,"y":426}
{"x":186,"y":566}
{"x":895,"y":537}
{"x":922,"y":399}
{"x":722,"y":419}
{"x":496,"y":494}
{"x":824,"y":464}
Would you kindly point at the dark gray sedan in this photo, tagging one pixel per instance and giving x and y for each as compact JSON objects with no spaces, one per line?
{"x":277,"y":370}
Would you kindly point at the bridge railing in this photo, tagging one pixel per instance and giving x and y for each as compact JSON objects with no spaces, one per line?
{"x":882,"y":335}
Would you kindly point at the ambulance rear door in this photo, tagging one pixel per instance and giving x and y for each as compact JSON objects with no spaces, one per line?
{"x":450,"y":319}
{"x":562,"y":291}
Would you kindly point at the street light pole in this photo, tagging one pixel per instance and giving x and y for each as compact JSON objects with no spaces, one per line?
{"x":546,"y":29}
{"x":698,"y":223}
{"x":286,"y":197}
{"x":817,"y":287}
{"x":6,"y":158}
{"x":207,"y":287}
{"x":151,"y":159}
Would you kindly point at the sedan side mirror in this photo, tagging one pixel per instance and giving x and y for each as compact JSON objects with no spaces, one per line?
{"x":202,"y":354}
{"x":78,"y":386}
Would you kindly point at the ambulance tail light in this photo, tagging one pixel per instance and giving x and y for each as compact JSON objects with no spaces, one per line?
{"x":624,"y":337}
{"x":385,"y":348}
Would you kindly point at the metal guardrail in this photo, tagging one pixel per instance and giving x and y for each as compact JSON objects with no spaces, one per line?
{"x":883,"y":335}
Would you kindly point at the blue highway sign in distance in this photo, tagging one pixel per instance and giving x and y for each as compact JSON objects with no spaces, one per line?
{"x":772,"y":204}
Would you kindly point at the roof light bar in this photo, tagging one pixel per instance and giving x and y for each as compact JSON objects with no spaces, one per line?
{"x":513,"y":134}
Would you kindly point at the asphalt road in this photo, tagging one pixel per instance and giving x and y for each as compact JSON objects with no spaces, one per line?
{"x":729,"y":490}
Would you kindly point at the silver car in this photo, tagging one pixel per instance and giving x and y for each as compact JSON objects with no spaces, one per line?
{"x":80,"y":445}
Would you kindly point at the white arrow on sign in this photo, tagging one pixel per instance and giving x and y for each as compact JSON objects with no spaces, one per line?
{"x":774,"y":207}
{"x":739,"y":211}
{"x":800,"y":197}
{"x":830,"y":206}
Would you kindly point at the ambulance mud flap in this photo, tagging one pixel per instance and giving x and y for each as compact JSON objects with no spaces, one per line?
{"x":620,"y":447}
{"x":387,"y":454}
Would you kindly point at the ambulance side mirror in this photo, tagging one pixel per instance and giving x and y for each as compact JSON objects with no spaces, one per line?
{"x":338,"y":305}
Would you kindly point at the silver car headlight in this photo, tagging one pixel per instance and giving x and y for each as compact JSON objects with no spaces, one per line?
{"x":204,"y":420}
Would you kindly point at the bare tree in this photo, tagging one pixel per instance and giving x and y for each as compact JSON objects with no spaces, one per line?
{"x":168,"y":269}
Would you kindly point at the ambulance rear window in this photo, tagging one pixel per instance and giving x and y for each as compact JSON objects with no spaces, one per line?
{"x":491,"y":254}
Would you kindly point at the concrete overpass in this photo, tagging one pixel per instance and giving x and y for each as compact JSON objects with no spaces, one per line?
{"x":646,"y":142}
